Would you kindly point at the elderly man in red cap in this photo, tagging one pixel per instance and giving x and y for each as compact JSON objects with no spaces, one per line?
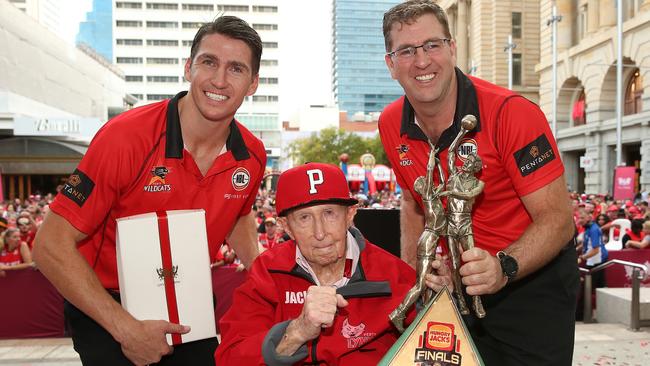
{"x":322,"y":297}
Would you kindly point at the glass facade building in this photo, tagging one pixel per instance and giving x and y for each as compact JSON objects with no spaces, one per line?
{"x":97,"y":30}
{"x":361,"y":81}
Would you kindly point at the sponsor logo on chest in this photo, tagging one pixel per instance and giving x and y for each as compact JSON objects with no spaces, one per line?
{"x":404,"y":160}
{"x":240,"y":179}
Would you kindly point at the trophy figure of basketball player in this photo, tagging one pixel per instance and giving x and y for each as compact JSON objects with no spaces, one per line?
{"x":462,"y":188}
{"x":434,"y":227}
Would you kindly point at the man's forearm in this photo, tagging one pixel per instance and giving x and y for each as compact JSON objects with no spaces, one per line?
{"x":291,"y":341}
{"x":243,"y":239}
{"x":59,"y":260}
{"x":550,"y":231}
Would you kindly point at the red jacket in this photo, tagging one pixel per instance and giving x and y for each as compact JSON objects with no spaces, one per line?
{"x":274,"y":292}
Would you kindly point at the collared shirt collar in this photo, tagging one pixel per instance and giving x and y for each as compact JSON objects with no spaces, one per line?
{"x":466,"y":103}
{"x":351,"y":254}
{"x":174,"y":137}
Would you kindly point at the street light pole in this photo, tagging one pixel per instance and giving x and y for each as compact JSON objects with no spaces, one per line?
{"x":553,"y":22}
{"x":508,"y":48}
{"x":619,"y":82}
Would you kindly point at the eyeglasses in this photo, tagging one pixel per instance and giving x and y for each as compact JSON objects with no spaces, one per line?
{"x":431,"y":47}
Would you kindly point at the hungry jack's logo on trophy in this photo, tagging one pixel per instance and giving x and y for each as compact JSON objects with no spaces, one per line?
{"x":438,"y":346}
{"x":157,"y":182}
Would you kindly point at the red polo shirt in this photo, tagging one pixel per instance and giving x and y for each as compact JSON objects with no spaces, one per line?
{"x":137,"y":164}
{"x":512,"y":138}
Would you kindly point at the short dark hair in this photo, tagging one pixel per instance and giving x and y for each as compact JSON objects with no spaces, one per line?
{"x":235,"y":28}
{"x":408,"y":12}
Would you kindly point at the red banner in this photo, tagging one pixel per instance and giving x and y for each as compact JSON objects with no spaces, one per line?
{"x":168,"y":273}
{"x":624,"y":183}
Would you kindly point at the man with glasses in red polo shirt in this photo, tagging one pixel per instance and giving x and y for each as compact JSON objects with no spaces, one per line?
{"x":522,"y":221}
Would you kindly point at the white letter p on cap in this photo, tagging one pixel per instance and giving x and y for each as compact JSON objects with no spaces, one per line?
{"x":315,"y":178}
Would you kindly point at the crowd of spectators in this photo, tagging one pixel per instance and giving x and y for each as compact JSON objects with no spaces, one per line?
{"x":19,"y":221}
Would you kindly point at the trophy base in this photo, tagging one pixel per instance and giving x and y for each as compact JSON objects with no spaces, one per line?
{"x":438,"y":336}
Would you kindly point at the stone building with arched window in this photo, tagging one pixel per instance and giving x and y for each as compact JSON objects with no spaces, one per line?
{"x":586,"y":82}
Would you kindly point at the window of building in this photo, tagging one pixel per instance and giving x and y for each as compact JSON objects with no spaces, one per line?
{"x":634,"y":93}
{"x":516,"y":25}
{"x":162,"y":42}
{"x":582,"y":22}
{"x":265,"y":9}
{"x":128,"y":42}
{"x":157,"y":24}
{"x":265,"y":98}
{"x":138,"y":96}
{"x":239,"y":8}
{"x":153,"y":97}
{"x":128,"y":23}
{"x":259,"y":26}
{"x":631,"y":8}
{"x":162,"y":61}
{"x":268,"y":80}
{"x":133,"y":78}
{"x":198,"y":7}
{"x":187,"y":43}
{"x":578,"y":114}
{"x":128,"y":5}
{"x":516,"y":69}
{"x":192,"y":25}
{"x":269,"y":62}
{"x":162,"y":79}
{"x":270,"y":44}
{"x":162,"y":6}
{"x":129,"y":60}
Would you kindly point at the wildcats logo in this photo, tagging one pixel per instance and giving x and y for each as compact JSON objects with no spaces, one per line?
{"x":466,"y":148}
{"x":402,"y":149}
{"x":355,"y":335}
{"x":438,"y":346}
{"x":157,"y":182}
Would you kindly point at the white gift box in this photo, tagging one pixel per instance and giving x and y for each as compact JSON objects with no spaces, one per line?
{"x":148,"y":288}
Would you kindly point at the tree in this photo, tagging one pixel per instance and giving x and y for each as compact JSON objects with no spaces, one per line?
{"x":327,"y":145}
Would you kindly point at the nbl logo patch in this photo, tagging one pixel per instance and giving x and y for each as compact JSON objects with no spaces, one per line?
{"x":240,"y":179}
{"x":466,"y":148}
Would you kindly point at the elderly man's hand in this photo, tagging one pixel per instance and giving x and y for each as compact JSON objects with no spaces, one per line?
{"x":321,"y":304}
{"x":441,"y":275}
{"x":481,"y":273}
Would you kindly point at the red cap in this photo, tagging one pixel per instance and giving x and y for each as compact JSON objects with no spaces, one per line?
{"x":312,"y":183}
{"x":628,"y":204}
{"x":612,"y":208}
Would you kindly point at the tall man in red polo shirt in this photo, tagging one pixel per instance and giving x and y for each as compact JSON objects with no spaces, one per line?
{"x":185,"y":153}
{"x":523,"y":265}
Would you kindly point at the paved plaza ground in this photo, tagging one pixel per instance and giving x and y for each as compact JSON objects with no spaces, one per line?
{"x":596,"y":344}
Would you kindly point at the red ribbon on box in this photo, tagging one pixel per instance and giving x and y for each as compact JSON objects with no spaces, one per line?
{"x":170,"y":289}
